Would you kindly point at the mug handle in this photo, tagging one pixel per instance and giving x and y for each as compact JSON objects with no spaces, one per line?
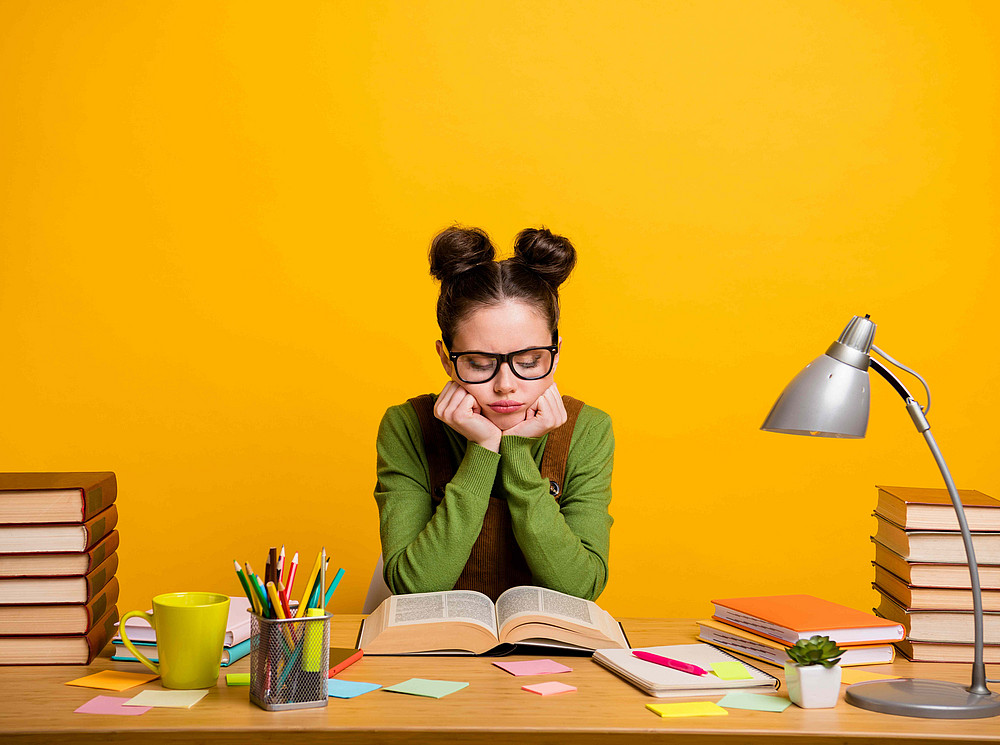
{"x":131,"y":647}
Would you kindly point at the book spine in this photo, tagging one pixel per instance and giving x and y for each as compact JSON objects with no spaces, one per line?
{"x":98,"y":637}
{"x":100,"y":605}
{"x":102,"y":551}
{"x":100,"y":526}
{"x":98,"y":497}
{"x":102,"y":575}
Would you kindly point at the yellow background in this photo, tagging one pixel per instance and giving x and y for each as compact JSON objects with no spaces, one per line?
{"x":213,"y":228}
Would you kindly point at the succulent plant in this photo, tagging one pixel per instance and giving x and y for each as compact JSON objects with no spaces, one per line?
{"x":816,"y":650}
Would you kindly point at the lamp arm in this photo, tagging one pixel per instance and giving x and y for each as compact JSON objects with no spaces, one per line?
{"x":979,"y":679}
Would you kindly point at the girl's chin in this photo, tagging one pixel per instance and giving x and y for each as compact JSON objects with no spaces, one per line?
{"x":504,"y":421}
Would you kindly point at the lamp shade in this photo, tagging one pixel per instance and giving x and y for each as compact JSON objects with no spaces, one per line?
{"x":829,"y":398}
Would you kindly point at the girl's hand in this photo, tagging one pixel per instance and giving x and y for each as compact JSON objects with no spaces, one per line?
{"x":457,"y":408}
{"x":545,"y":415}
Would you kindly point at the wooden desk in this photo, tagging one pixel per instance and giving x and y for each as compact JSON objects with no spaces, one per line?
{"x":36,"y":707}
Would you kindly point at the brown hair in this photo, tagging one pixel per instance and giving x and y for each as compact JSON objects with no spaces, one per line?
{"x":463,"y":259}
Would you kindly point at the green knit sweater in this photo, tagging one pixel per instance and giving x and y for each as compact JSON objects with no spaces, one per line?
{"x":565,"y":543}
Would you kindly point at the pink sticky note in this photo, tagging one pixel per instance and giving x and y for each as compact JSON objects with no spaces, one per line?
{"x":111,"y":705}
{"x":547,"y":689}
{"x":533,"y":667}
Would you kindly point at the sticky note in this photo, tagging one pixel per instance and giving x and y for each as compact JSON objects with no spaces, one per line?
{"x":168,"y":699}
{"x":849,"y":676}
{"x":113,"y":680}
{"x":692,"y":709}
{"x":429,"y":688}
{"x":111,"y":705}
{"x":731,"y":670}
{"x":754,"y":702}
{"x":533,"y":667}
{"x":237,"y":679}
{"x":549,"y":688}
{"x":348,"y":688}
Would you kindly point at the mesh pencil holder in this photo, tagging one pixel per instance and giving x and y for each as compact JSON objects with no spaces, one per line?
{"x":289,"y":661}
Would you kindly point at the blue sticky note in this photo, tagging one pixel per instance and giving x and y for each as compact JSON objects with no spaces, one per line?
{"x":348,"y":688}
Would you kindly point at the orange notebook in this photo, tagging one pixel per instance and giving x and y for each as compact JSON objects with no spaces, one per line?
{"x":788,"y":618}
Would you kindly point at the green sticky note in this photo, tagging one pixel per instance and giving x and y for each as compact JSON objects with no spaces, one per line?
{"x":731,"y":670}
{"x":429,"y":688}
{"x":237,"y":679}
{"x":754,"y":702}
{"x":688,"y":709}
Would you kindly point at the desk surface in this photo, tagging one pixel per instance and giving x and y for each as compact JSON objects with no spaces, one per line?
{"x":36,"y":707}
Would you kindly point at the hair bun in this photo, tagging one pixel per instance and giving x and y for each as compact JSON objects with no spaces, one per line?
{"x":456,"y":250}
{"x":550,"y":256}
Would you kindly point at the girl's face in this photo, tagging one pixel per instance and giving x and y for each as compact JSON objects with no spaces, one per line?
{"x":503,"y":328}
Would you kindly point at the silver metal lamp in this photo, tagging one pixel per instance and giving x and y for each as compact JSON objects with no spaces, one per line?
{"x":830,"y":398}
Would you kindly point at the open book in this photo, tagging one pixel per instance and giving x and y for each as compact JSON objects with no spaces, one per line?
{"x":468,"y":622}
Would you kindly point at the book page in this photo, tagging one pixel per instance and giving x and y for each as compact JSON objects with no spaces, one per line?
{"x":538,"y":601}
{"x":454,"y":605}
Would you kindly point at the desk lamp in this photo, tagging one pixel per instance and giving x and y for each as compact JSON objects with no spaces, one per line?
{"x":829,"y":398}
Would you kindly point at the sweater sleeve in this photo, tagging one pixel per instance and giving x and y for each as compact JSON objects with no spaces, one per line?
{"x":423,"y":549}
{"x":565,"y":543}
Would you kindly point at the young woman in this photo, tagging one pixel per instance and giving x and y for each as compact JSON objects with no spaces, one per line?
{"x":498,"y":480}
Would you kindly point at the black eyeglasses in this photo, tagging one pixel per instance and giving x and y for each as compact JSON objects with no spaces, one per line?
{"x":532,"y":363}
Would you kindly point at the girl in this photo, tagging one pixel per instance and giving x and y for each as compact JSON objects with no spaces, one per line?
{"x":498,"y":480}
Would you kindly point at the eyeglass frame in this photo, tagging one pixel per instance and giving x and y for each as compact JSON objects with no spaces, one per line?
{"x":501,"y":359}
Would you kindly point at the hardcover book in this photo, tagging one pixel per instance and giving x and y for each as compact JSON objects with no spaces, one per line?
{"x":947,"y":652}
{"x":930,"y":598}
{"x":788,"y":618}
{"x":79,"y":649}
{"x":936,"y":545}
{"x":41,"y":590}
{"x":55,"y":497}
{"x":936,"y":574}
{"x":35,"y":620}
{"x":62,"y":538}
{"x":776,"y":653}
{"x":940,"y":625}
{"x":931,"y":509}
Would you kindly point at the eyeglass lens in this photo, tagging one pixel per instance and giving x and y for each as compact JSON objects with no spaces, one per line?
{"x":478,"y":368}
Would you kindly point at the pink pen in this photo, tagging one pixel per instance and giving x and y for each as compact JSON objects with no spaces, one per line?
{"x":684,"y":667}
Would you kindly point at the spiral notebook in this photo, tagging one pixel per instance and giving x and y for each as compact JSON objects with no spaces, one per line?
{"x":664,"y":682}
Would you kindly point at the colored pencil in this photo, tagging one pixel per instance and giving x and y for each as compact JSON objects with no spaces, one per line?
{"x":246,"y":587}
{"x":290,"y":580}
{"x":307,"y":591}
{"x":333,"y":586}
{"x":251,"y":580}
{"x":272,"y":592}
{"x":281,"y":565}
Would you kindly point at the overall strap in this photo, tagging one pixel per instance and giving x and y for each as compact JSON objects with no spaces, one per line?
{"x":441,"y":469}
{"x":556,"y":453}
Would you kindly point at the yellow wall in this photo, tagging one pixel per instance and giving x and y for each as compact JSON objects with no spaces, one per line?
{"x":214,"y":218}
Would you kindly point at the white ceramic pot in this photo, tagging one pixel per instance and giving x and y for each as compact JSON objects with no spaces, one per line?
{"x":813,"y":686}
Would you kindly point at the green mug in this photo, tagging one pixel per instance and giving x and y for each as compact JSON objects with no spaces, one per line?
{"x":190,"y":629}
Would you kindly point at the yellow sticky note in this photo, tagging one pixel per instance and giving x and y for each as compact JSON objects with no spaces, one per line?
{"x":237,"y":679}
{"x":688,"y":709}
{"x":849,"y":676}
{"x":113,"y":680}
{"x":731,"y":670}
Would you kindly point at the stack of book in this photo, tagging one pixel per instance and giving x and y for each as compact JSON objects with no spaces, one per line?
{"x":58,"y":559}
{"x":765,"y":627}
{"x":235,"y":645}
{"x":922,"y":573}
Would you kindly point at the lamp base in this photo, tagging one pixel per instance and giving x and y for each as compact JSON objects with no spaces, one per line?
{"x":932,"y":699}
